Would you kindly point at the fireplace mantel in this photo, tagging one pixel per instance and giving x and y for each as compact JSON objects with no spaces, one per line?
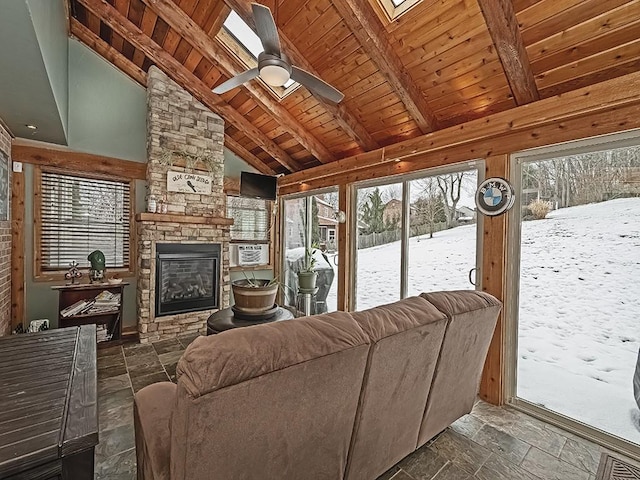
{"x":170,"y":218}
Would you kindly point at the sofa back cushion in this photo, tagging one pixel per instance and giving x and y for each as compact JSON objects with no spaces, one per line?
{"x":406,"y":337}
{"x":472,"y":320}
{"x":272,"y":401}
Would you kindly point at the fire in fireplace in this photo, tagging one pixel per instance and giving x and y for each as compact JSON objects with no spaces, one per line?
{"x":187,"y":277}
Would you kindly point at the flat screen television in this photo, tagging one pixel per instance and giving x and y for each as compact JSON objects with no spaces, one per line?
{"x":256,"y":185}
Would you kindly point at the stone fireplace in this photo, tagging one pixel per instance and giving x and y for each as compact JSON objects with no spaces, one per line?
{"x":183,"y":255}
{"x":187,"y":277}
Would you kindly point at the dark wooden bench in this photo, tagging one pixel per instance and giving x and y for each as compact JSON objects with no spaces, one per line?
{"x":48,"y":404}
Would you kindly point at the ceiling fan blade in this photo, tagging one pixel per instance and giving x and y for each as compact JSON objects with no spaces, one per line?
{"x":236,"y":81}
{"x":316,"y":85}
{"x":266,"y":27}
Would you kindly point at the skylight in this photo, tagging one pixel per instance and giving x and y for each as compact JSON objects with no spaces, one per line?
{"x":395,"y":8}
{"x":242,"y":33}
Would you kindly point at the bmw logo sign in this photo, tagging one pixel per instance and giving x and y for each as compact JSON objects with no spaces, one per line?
{"x":495,"y":196}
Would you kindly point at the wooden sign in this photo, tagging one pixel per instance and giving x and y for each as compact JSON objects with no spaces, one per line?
{"x":188,"y":183}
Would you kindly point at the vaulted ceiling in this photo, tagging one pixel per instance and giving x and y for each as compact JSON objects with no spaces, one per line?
{"x":442,"y":63}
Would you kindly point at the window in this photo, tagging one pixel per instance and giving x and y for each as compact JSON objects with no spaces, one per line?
{"x":76,"y":215}
{"x":245,"y":45}
{"x":250,"y":232}
{"x":250,"y":219}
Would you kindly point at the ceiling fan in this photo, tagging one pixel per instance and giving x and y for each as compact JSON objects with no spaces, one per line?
{"x":274,"y":67}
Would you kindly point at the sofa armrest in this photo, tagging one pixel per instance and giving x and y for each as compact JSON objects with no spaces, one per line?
{"x":152,"y":409}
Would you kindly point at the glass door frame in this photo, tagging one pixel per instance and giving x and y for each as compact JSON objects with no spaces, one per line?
{"x":281,"y":261}
{"x":404,"y":180}
{"x":511,"y":307}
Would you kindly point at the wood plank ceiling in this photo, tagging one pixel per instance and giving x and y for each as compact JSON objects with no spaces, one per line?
{"x":442,"y":63}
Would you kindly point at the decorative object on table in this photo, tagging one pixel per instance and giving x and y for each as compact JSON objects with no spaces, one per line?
{"x":97,"y":260}
{"x":495,"y":196}
{"x":254,"y":296}
{"x":73,"y":272}
{"x":184,"y":182}
{"x":307,"y":276}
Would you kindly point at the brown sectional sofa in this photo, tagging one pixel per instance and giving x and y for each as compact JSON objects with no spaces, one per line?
{"x":333,"y":396}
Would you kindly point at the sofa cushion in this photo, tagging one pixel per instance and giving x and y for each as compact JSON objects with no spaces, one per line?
{"x":272,"y":401}
{"x":406,"y":337}
{"x":214,"y":362}
{"x":472,"y":320}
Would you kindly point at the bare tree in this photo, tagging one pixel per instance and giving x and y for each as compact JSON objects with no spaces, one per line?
{"x":450,"y":186}
{"x":429,"y":207}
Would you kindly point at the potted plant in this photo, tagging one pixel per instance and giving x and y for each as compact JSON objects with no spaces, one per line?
{"x":253,"y":295}
{"x":307,"y":275}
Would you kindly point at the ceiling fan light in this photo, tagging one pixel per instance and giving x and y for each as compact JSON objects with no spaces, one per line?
{"x":274,"y":75}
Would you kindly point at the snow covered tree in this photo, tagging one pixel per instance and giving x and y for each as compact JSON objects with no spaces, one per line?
{"x":372,"y":212}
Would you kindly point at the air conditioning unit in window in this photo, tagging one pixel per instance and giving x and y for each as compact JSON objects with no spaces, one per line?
{"x":256,"y":254}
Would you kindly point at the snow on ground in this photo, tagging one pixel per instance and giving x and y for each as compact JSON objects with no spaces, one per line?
{"x":579,"y":304}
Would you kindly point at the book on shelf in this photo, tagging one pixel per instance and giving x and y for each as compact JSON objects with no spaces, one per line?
{"x":104,"y":302}
{"x":74,"y":308}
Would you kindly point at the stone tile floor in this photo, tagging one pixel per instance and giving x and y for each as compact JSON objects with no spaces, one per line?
{"x":492,"y":443}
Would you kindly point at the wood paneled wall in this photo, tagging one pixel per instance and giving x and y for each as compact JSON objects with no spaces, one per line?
{"x":494,"y":271}
{"x":608,"y":107}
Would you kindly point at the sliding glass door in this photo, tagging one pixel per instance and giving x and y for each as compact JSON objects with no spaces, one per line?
{"x":578,"y":331}
{"x":416,"y":235}
{"x":309,"y":224}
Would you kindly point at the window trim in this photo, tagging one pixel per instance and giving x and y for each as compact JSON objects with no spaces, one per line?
{"x":40,"y":275}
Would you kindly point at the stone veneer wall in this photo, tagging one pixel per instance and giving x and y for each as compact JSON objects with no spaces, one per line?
{"x":5,"y":240}
{"x":177,"y":122}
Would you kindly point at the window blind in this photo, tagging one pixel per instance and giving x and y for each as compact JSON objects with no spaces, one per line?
{"x":80,"y":215}
{"x":250,"y":219}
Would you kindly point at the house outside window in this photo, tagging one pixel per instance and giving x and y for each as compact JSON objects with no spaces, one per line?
{"x":77,"y":214}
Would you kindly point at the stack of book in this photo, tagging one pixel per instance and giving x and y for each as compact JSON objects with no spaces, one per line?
{"x":105,"y":302}
{"x":102,"y":334}
{"x":78,"y":308}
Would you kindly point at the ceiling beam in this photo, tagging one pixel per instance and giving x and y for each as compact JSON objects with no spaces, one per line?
{"x":109,"y":53}
{"x":502,"y":23}
{"x":247,"y":156}
{"x":365,"y":25}
{"x":183,"y":77}
{"x":177,"y":19}
{"x":342,"y":115}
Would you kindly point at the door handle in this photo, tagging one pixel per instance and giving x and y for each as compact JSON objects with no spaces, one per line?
{"x":471,"y":276}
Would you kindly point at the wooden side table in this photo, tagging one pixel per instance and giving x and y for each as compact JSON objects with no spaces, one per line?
{"x":224,"y":320}
{"x":48,"y":404}
{"x":70,"y":294}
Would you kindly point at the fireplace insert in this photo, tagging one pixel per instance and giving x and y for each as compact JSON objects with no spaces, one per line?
{"x":187,"y":277}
